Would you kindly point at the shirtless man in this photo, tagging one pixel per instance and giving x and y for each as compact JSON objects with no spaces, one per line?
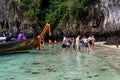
{"x":91,"y":40}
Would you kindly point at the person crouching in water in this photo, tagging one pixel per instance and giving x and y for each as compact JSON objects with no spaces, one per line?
{"x":85,"y":44}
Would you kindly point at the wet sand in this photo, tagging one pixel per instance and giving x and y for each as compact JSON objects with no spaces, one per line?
{"x":51,"y":64}
{"x":109,"y":46}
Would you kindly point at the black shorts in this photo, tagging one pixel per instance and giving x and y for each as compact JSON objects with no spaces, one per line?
{"x":64,"y":46}
{"x":90,"y":42}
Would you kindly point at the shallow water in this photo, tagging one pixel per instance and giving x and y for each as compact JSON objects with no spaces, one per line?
{"x":51,"y":64}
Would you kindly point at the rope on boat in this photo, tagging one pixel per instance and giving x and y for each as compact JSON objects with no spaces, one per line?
{"x":46,"y":28}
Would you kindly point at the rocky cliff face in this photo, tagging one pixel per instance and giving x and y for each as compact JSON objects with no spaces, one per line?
{"x":111,"y":23}
{"x":11,"y":20}
{"x":103,"y":17}
{"x":111,"y":10}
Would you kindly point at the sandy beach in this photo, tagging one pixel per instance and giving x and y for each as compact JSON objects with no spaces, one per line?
{"x":109,"y":46}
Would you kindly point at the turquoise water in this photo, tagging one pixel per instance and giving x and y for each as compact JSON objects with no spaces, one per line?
{"x":51,"y":64}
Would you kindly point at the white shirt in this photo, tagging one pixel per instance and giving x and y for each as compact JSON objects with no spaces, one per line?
{"x":77,"y":40}
{"x":64,"y":40}
{"x":85,"y":40}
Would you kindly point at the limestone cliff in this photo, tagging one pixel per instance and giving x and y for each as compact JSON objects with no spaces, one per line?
{"x":111,"y":10}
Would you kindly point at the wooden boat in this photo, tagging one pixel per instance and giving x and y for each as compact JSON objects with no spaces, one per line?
{"x":17,"y":46}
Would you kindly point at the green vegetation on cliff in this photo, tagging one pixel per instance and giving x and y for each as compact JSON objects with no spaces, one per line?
{"x":29,"y":8}
{"x":55,"y":12}
{"x":62,"y":11}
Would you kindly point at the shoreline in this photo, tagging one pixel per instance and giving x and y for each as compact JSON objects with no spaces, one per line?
{"x":109,"y":46}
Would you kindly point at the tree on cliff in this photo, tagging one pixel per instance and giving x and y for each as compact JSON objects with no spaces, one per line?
{"x":28,"y":8}
{"x":61,"y":12}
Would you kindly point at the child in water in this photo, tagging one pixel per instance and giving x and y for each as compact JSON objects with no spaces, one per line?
{"x":50,"y":43}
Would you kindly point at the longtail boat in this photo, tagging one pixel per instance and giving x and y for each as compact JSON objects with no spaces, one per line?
{"x":18,"y":46}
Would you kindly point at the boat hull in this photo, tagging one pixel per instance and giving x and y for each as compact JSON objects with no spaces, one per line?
{"x":18,"y":46}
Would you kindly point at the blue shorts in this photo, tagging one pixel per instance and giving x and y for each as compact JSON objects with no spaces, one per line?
{"x":85,"y":44}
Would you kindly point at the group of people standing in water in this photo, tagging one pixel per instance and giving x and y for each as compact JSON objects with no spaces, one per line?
{"x":79,"y":43}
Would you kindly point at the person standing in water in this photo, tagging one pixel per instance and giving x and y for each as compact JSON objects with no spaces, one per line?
{"x":77,"y":43}
{"x":64,"y":44}
{"x":91,"y":40}
{"x":42,"y":42}
{"x":85,"y":44}
{"x":73,"y":43}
